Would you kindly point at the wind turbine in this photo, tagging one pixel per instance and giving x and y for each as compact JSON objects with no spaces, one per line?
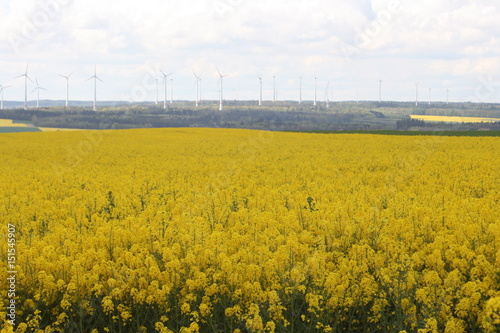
{"x":315,"y":90}
{"x":260,"y":91}
{"x":37,"y":89}
{"x":416,"y":93}
{"x":165,"y":86}
{"x":67,"y":87}
{"x":447,"y":96}
{"x":379,"y":90}
{"x":326,"y":95}
{"x":429,"y":96}
{"x":221,"y":107}
{"x":95,"y":86}
{"x":197,"y":87}
{"x":236,"y":94}
{"x":26,"y":78}
{"x":1,"y":91}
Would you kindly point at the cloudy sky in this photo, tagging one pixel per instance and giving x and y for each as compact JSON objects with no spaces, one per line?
{"x":349,"y":45}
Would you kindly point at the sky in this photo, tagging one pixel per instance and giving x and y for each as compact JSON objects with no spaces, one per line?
{"x":450,"y":47}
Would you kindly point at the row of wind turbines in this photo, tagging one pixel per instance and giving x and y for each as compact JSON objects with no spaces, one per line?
{"x":95,"y":77}
{"x":198,"y":89}
{"x":38,"y":88}
{"x":26,"y":78}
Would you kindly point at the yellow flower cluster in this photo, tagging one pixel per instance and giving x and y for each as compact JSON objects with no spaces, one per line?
{"x":213,"y":230}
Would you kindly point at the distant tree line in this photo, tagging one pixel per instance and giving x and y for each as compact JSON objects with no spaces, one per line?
{"x":275,"y":117}
{"x":134,"y":118}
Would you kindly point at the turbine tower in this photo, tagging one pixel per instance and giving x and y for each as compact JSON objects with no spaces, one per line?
{"x":326,"y":95}
{"x":197,"y":80}
{"x":416,"y":93}
{"x":2,"y":88}
{"x":315,"y":90}
{"x":67,"y":87}
{"x":379,"y":90}
{"x":447,"y":96}
{"x":260,"y":91}
{"x":37,"y":89}
{"x":95,"y":77}
{"x":165,"y":76}
{"x":26,"y":78}
{"x":429,"y":96}
{"x":221,"y":107}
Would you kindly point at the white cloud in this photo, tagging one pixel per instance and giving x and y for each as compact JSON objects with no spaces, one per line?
{"x":403,"y":39}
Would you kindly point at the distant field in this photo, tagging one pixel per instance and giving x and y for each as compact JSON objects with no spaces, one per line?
{"x":11,"y":123}
{"x":18,"y":129}
{"x":456,"y":119}
{"x":12,"y":126}
{"x":55,"y":129}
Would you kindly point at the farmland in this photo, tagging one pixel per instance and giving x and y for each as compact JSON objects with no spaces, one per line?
{"x":279,"y":116}
{"x":220,"y":230}
{"x":457,"y":119}
{"x":10,"y":126}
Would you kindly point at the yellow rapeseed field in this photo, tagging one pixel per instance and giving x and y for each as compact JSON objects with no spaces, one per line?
{"x":10,"y":123}
{"x":453,"y":119}
{"x":215,"y":230}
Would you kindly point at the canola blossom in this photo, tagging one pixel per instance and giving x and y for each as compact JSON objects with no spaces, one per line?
{"x":217,"y":230}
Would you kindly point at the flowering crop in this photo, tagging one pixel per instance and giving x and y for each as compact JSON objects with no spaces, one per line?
{"x":214,"y":230}
{"x":451,"y":119}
